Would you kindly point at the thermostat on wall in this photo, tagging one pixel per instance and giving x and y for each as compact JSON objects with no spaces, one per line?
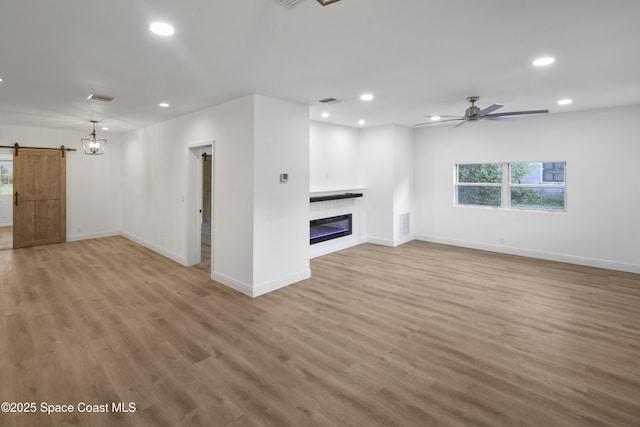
{"x":284,"y":177}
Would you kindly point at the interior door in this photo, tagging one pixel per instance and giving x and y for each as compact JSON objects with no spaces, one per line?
{"x":6,"y":192}
{"x":39,"y":205}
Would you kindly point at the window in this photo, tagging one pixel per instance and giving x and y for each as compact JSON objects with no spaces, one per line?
{"x":479,"y":184}
{"x":521,"y":185}
{"x":6,"y":178}
{"x":536,"y":185}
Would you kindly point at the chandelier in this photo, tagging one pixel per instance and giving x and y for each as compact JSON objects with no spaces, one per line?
{"x":93,"y":145}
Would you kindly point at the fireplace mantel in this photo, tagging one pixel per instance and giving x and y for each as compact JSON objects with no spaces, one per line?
{"x":313,"y":199}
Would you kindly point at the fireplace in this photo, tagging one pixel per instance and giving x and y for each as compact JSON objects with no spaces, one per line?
{"x":330,"y":228}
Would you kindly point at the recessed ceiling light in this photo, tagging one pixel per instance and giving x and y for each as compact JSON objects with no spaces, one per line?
{"x":435,"y":118}
{"x":161,"y":29}
{"x":361,"y":122}
{"x":325,"y":115}
{"x":0,"y":79}
{"x":541,"y":62}
{"x":105,"y":128}
{"x":566,"y":101}
{"x":366,"y":97}
{"x":163,"y":104}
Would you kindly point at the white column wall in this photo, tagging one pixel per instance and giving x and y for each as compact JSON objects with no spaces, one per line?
{"x":281,"y":210}
{"x":377,"y":149}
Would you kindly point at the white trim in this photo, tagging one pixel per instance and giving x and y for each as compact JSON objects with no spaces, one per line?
{"x":550,"y":256}
{"x":383,"y":242}
{"x":391,"y":243}
{"x":232,"y":283}
{"x":86,"y":236}
{"x":200,"y":144}
{"x":282,"y":282}
{"x":334,"y":245}
{"x":263,"y":288}
{"x":159,"y":249}
{"x":404,"y":240}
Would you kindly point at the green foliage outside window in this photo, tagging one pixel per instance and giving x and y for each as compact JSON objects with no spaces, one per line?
{"x":489,"y":173}
{"x":6,"y":180}
{"x":532,"y":185}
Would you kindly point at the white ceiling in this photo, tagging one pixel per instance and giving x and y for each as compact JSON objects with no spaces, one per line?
{"x":417,"y":57}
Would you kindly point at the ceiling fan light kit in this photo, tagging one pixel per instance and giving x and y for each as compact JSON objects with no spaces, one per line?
{"x":327,"y":2}
{"x":474,"y":114}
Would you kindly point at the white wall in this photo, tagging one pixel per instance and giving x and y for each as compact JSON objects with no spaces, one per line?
{"x":281,"y":210}
{"x":335,"y":155}
{"x":402,"y":185}
{"x":388,"y":156}
{"x":155,"y":185}
{"x":377,"y":148}
{"x":94,"y":183}
{"x":600,"y":227}
{"x":258,"y":222}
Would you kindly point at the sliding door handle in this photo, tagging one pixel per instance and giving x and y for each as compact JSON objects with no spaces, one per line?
{"x":15,"y":196}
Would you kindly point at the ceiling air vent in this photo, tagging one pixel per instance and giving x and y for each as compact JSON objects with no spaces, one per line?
{"x":289,"y":3}
{"x":103,"y":98}
{"x":330,"y":101}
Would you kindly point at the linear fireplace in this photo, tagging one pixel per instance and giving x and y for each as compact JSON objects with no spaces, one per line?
{"x":330,"y":228}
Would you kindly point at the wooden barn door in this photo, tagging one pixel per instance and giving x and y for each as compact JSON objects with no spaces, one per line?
{"x":40,"y":193}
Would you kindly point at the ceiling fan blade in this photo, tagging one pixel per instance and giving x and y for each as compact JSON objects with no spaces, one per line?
{"x":490,"y":109}
{"x":517,"y":113}
{"x":438,"y":121}
{"x":460,"y":124}
{"x":500,"y":119}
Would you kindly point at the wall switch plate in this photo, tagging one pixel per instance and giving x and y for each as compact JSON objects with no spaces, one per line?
{"x":284,"y":177}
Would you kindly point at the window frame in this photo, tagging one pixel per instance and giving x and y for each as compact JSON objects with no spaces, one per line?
{"x":506,"y":185}
{"x":458,"y":184}
{"x":549,"y":184}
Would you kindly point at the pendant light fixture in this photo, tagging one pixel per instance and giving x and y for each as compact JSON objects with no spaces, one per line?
{"x":93,"y":145}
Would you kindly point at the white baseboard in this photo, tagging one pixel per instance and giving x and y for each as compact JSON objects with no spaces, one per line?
{"x":378,"y":241}
{"x":324,"y":248}
{"x":282,"y":282}
{"x":232,"y":283}
{"x":180,"y":259}
{"x":86,"y":236}
{"x":550,"y":256}
{"x":390,"y":243}
{"x":263,"y":288}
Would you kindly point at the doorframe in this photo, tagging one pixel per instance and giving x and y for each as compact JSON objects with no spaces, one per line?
{"x":194,"y":199}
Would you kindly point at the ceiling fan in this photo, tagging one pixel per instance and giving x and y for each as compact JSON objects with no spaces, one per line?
{"x":474,"y":114}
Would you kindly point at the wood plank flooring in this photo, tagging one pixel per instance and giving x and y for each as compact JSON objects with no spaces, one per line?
{"x":6,"y":238}
{"x":418,"y":335}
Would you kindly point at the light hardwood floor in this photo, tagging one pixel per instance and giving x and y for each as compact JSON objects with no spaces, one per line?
{"x":418,"y":335}
{"x":6,"y":238}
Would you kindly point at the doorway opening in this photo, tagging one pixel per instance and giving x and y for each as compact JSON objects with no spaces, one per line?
{"x":205,"y":226}
{"x":6,"y":200}
{"x":200,"y":199}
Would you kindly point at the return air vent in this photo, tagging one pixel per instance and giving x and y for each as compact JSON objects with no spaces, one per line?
{"x":290,"y":4}
{"x":103,"y":98}
{"x":330,"y":101}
